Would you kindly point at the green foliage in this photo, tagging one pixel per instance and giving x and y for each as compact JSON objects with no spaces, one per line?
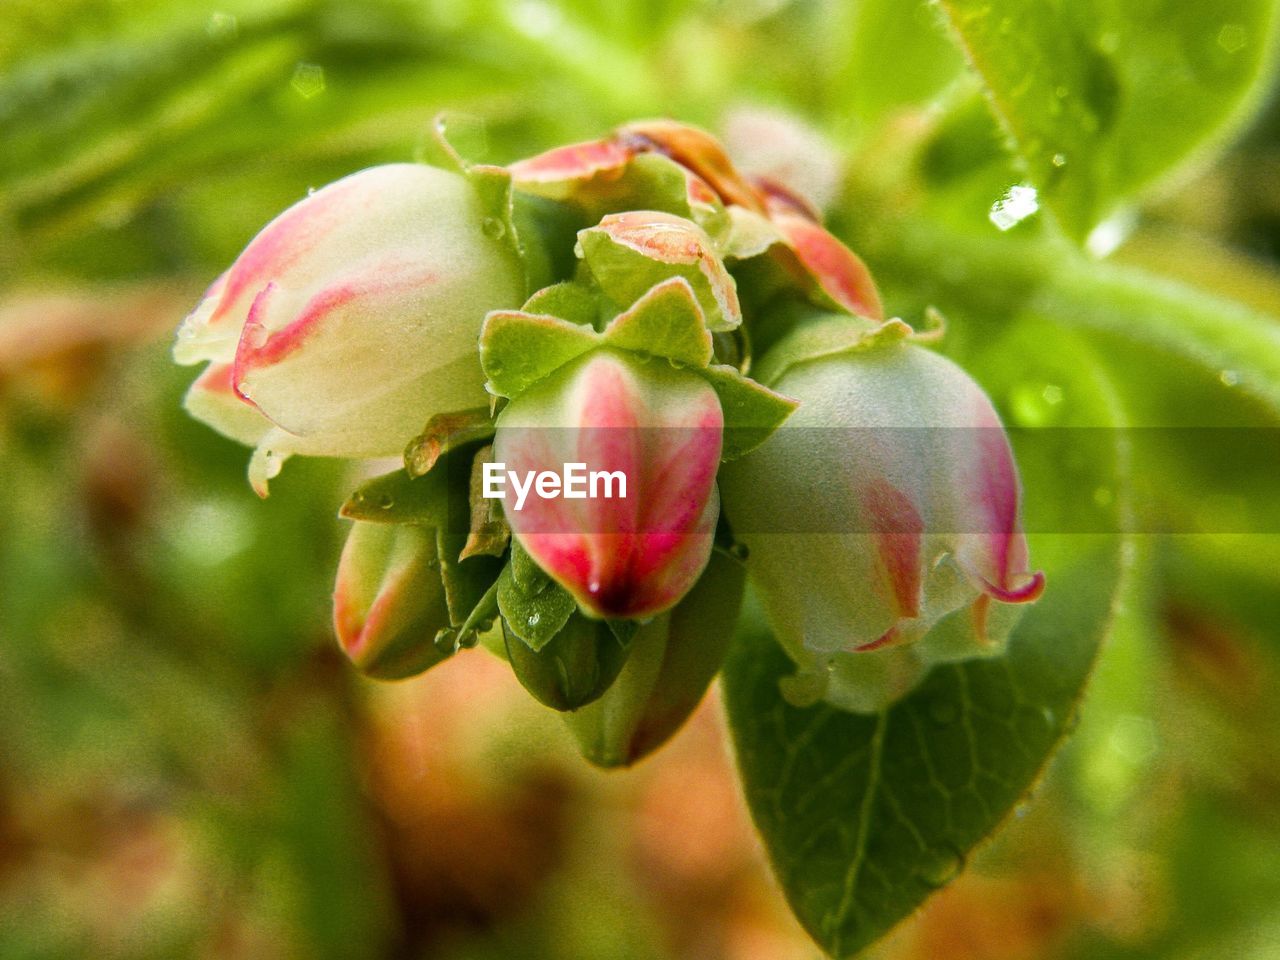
{"x":1104,"y":98}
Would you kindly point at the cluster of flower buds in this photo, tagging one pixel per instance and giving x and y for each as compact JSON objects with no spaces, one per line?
{"x":594,"y":460}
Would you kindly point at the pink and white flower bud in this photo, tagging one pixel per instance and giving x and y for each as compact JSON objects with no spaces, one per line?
{"x":352,"y":317}
{"x":882,"y":521}
{"x":389,"y":601}
{"x":656,"y":426}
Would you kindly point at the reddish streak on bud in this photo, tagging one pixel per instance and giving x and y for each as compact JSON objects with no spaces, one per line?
{"x":579,"y":161}
{"x":696,"y":150}
{"x":899,"y":536}
{"x":837,"y":269}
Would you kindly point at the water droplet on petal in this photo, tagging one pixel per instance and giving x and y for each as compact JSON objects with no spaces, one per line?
{"x":939,"y":866}
{"x":493,"y":227}
{"x":535,"y":619}
{"x":1229,"y":378}
{"x":256,"y":335}
{"x":386,"y":501}
{"x":1049,"y":717}
{"x":1059,"y":160}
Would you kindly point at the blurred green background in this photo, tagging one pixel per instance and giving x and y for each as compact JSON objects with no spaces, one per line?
{"x":188,"y":767}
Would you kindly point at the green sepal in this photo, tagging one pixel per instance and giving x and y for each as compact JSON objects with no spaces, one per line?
{"x":438,"y":500}
{"x":751,"y":410}
{"x":518,"y":349}
{"x":534,"y":607}
{"x":399,"y":498}
{"x":570,"y":301}
{"x":666,"y":321}
{"x":828,"y":336}
{"x":489,"y":531}
{"x":466,"y":578}
{"x":445,"y":432}
{"x":493,"y":189}
{"x":628,"y":255}
{"x":575,"y":667}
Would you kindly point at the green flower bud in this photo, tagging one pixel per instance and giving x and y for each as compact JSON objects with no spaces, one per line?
{"x":389,"y":602}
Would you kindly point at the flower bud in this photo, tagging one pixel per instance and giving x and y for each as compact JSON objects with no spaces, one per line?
{"x":389,"y":601}
{"x":898,"y":498}
{"x":647,"y":436}
{"x":352,"y":318}
{"x":576,"y":666}
{"x":673,"y":660}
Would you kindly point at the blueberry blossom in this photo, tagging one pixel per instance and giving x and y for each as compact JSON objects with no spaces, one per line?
{"x":351,"y":319}
{"x":883,"y":518}
{"x":655,"y":431}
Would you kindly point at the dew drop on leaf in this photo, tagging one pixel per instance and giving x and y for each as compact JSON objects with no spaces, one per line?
{"x":939,"y":866}
{"x":493,"y":227}
{"x":1019,"y":202}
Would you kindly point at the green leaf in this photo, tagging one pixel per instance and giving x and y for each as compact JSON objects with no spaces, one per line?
{"x":665,"y":322}
{"x":1104,"y":98}
{"x":895,"y":54}
{"x":518,"y":349}
{"x":864,"y":816}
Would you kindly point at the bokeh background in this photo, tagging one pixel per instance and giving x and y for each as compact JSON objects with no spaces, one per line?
{"x":189,"y":768}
